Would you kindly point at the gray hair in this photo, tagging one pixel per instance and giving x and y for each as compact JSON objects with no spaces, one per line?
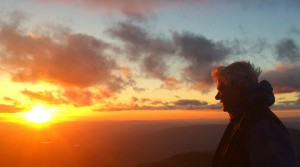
{"x":238,"y":74}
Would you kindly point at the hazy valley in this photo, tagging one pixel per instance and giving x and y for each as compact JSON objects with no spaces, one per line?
{"x":115,"y":143}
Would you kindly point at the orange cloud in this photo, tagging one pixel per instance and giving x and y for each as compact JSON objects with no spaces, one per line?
{"x":45,"y":96}
{"x":126,"y":72}
{"x":68,"y":60}
{"x":80,"y":98}
{"x":75,"y":97}
{"x":170,"y":83}
{"x":5,"y":108}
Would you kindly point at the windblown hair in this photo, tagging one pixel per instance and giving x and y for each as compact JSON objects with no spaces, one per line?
{"x":238,"y":74}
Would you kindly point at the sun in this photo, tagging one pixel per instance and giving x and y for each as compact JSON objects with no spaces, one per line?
{"x":39,"y":114}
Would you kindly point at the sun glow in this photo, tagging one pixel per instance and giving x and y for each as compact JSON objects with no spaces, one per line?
{"x":39,"y":114}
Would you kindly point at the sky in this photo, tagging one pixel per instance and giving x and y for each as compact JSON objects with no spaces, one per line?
{"x":89,"y":56}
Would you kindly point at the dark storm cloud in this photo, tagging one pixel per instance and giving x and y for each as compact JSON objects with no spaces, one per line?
{"x":284,"y":78}
{"x":288,"y":51}
{"x":202,"y":54}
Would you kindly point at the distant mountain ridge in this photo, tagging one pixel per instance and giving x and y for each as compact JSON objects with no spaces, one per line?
{"x":190,"y":159}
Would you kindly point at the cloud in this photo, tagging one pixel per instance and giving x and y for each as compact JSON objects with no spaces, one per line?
{"x":157,"y":104}
{"x":288,"y":105}
{"x":152,"y":53}
{"x":45,"y":96}
{"x":135,"y":38}
{"x":126,"y":72}
{"x":202,"y":54}
{"x":138,"y":89}
{"x":187,"y":102}
{"x":294,"y":30}
{"x":10,"y":105}
{"x":150,"y":6}
{"x":135,"y":16}
{"x":138,"y":41}
{"x":83,"y":98}
{"x":284,"y":78}
{"x":242,"y":29}
{"x":287,"y":51}
{"x":242,"y":47}
{"x":142,"y":47}
{"x":130,"y":6}
{"x":73,"y":96}
{"x":6,"y":108}
{"x":136,"y":104}
{"x":56,"y":55}
{"x":170,"y":83}
{"x":134,"y":99}
{"x":297,"y":102}
{"x":79,"y":62}
{"x":155,"y":67}
{"x":137,"y":101}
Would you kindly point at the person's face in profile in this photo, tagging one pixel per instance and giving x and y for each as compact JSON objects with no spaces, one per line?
{"x":228,"y":95}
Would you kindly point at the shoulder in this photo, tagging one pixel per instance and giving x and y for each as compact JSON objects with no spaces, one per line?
{"x":269,"y":127}
{"x":262,"y":117}
{"x":270,"y":143}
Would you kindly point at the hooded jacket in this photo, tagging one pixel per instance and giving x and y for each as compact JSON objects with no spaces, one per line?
{"x":255,"y":137}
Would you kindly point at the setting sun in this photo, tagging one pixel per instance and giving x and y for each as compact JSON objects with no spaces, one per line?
{"x":39,"y":114}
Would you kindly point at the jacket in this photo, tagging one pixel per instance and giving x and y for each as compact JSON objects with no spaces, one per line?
{"x":255,"y":137}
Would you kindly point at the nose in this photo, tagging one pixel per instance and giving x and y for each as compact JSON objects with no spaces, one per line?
{"x":217,"y":97}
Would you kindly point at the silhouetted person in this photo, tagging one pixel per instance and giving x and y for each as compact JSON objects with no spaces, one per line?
{"x":254,"y":137}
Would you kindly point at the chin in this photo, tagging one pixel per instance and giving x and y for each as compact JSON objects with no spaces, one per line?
{"x":224,"y":108}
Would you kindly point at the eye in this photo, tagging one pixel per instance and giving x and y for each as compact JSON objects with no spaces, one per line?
{"x":217,"y":97}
